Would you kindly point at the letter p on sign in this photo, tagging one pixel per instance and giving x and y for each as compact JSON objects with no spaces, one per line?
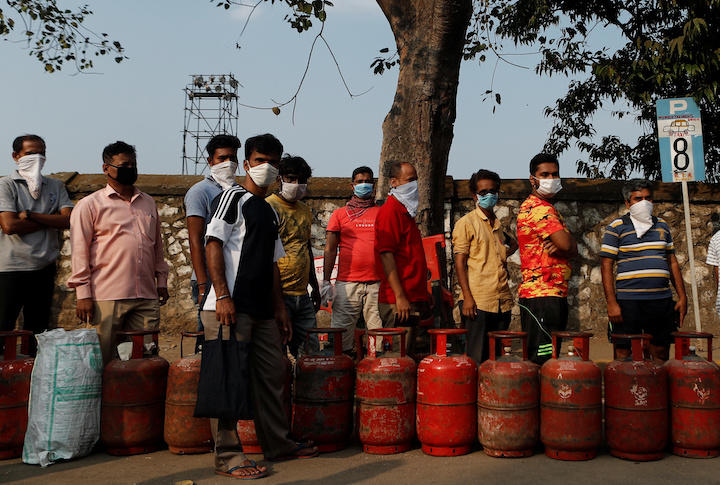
{"x":677,"y":105}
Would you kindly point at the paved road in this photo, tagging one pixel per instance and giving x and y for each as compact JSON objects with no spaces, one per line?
{"x":351,"y":466}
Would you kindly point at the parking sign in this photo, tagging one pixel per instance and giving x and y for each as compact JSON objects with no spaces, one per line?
{"x":680,"y":137}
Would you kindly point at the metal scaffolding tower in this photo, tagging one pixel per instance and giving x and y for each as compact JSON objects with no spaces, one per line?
{"x":211,"y":108}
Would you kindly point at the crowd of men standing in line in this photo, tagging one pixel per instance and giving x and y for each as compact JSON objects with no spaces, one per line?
{"x":253,"y":263}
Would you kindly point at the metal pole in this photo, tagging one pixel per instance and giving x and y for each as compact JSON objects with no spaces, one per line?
{"x":691,"y":256}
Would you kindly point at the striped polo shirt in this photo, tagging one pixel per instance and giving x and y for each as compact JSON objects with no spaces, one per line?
{"x":643,"y":271}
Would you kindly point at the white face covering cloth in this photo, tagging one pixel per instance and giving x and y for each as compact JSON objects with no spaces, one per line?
{"x":548,"y":187}
{"x":29,"y":168}
{"x":224,"y":173}
{"x":293,"y":192}
{"x":263,"y":175}
{"x":641,"y":217}
{"x":408,"y":196}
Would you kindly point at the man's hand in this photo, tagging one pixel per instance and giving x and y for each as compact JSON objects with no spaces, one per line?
{"x":283,"y":320}
{"x":163,"y":295}
{"x":225,"y":311}
{"x":315,"y":297}
{"x":23,"y":216}
{"x":550,"y":247}
{"x":327,"y":293}
{"x":85,"y":309}
{"x":614,"y":313}
{"x":469,"y":308}
{"x":681,"y":309}
{"x":402,"y":308}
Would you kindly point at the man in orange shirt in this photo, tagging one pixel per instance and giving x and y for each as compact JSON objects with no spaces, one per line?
{"x":546,"y":247}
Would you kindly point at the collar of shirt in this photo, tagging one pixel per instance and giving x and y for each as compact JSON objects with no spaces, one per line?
{"x":15,"y":175}
{"x":109,"y":191}
{"x":481,"y":214}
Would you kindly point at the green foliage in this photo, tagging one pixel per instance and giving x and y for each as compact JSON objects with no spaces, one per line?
{"x":301,"y":13}
{"x":56,"y":36}
{"x":669,"y":48}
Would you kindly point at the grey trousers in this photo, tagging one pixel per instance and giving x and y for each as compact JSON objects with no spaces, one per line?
{"x":267,"y":378}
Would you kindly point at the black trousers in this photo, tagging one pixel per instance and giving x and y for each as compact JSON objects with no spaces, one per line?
{"x":31,"y":292}
{"x":477,"y":340}
{"x":551,"y":313}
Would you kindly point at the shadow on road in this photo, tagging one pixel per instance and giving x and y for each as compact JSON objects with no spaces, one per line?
{"x":21,"y":471}
{"x":356,"y":474}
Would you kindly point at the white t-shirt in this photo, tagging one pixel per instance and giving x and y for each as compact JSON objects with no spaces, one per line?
{"x":713,"y":259}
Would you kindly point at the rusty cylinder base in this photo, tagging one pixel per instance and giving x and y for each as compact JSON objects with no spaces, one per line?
{"x":190,"y":450}
{"x":446,"y":450}
{"x":386,"y":449}
{"x":638,"y":456}
{"x":330,"y":447}
{"x":692,"y":453}
{"x":570,"y":455}
{"x":133,"y":450}
{"x":508,"y":453}
{"x":11,"y":453}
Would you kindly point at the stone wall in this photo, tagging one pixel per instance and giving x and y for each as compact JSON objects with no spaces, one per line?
{"x":587,"y":205}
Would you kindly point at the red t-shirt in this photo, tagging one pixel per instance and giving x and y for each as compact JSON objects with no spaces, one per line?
{"x":396,"y":232}
{"x":356,"y":260}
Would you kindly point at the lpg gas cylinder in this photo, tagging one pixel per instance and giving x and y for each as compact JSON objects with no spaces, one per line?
{"x":694,"y":399}
{"x":508,"y":405}
{"x":184,"y":433}
{"x":133,"y":400}
{"x":323,"y":404}
{"x":571,"y":401}
{"x":636,"y":404}
{"x":385,"y":394}
{"x":246,"y":427}
{"x":446,"y":395}
{"x":15,"y":370}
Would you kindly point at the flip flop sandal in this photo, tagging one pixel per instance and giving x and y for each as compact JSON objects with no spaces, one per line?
{"x":254,"y":476}
{"x":293,"y":454}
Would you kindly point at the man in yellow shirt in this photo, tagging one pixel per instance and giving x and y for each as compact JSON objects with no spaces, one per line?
{"x":296,"y":268}
{"x":481,"y":249}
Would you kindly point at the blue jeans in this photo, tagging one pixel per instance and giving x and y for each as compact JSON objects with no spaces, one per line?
{"x":302,"y":314}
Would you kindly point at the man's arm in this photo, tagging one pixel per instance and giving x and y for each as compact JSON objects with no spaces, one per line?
{"x":677,"y":281}
{"x":56,"y":221}
{"x":196,"y":234}
{"x":161,"y":267}
{"x":608,"y":279}
{"x":561,"y":244}
{"x":469,"y":308}
{"x":11,"y":223}
{"x":332,"y":239}
{"x":715,"y":273}
{"x":511,"y":243}
{"x":315,"y":293}
{"x":81,"y":235}
{"x":402,"y":303}
{"x":281,"y":314}
{"x":224,"y":307}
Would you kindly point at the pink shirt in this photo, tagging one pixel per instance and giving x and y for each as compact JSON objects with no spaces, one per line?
{"x":117,"y":249}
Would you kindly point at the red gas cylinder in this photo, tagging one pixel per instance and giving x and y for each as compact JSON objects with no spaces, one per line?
{"x":694,"y":398}
{"x":636,"y":404}
{"x":446,"y":395}
{"x":133,"y":400}
{"x":508,"y":404}
{"x":246,"y":427}
{"x":385,"y":394}
{"x":184,"y":433}
{"x":15,"y":370}
{"x":323,"y":404}
{"x":571,"y":401}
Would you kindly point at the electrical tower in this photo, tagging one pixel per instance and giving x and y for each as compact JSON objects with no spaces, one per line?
{"x":211,"y":108}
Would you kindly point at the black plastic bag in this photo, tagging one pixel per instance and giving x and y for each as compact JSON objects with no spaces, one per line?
{"x":224,"y":387}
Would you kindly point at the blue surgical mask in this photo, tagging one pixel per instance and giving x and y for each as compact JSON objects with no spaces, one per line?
{"x":487,"y":201}
{"x":363,"y":190}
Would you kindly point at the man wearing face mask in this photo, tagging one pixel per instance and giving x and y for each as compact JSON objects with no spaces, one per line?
{"x":223,"y":163}
{"x":118,"y":267}
{"x":245,"y":294}
{"x":546,"y":247}
{"x":639,"y":299}
{"x":403,"y":296}
{"x":351,"y":229}
{"x":481,"y":249}
{"x":297,"y":268}
{"x":33,"y":208}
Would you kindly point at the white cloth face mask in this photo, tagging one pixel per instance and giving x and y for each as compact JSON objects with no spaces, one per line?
{"x":30,"y":168}
{"x":293,"y":192}
{"x":548,"y":187}
{"x":641,"y":217}
{"x":408,"y":196}
{"x":263,"y":175}
{"x":224,"y":173}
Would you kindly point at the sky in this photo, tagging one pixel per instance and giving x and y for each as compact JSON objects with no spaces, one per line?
{"x":141,"y":100}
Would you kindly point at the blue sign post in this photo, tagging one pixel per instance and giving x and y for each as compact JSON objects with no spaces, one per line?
{"x":682,"y":160}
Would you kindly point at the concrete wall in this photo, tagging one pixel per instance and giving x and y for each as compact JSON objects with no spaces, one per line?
{"x":587,"y":205}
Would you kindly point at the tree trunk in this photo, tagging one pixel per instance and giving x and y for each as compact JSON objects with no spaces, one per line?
{"x":430,"y":36}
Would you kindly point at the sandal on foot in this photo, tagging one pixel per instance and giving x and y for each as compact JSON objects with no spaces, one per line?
{"x":293,"y":455}
{"x":253,"y":476}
